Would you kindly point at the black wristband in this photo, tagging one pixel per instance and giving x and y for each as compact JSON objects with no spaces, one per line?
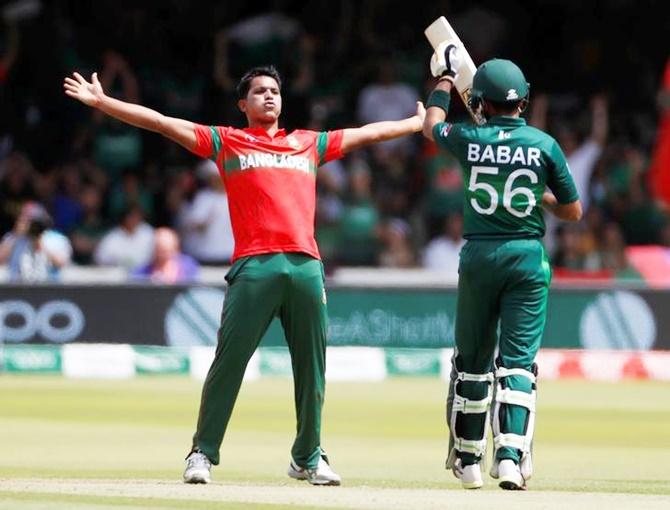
{"x":439,"y":98}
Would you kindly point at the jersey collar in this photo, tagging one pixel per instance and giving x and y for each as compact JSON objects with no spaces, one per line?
{"x":259,"y":132}
{"x":505,"y":120}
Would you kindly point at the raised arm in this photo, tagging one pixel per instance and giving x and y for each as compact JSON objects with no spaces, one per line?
{"x":354,"y":138}
{"x":444,"y":66}
{"x":92,"y":94}
{"x":436,"y":114}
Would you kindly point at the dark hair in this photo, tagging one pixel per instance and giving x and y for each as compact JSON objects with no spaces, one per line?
{"x":245,"y":82}
{"x":505,"y":107}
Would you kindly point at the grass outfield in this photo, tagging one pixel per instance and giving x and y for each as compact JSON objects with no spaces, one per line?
{"x":71,"y":444}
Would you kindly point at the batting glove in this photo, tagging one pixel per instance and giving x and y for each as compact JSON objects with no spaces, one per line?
{"x":445,"y":62}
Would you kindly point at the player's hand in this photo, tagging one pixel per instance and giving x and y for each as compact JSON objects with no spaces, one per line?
{"x":418,"y":118}
{"x":89,"y":93}
{"x":420,"y":112}
{"x":445,"y":61}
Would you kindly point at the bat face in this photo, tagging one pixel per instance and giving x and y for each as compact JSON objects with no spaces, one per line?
{"x":441,"y":31}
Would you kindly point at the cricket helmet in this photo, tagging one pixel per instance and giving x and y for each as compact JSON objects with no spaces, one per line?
{"x":500,"y":81}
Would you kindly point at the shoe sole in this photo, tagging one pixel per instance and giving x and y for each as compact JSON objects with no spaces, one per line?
{"x":197,"y":479}
{"x":301,"y":477}
{"x":510,"y":485}
{"x":325,"y":483}
{"x":297,"y":475}
{"x":473,"y":485}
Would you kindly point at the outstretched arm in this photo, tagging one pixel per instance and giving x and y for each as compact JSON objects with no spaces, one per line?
{"x":444,"y":66}
{"x":354,"y":138}
{"x":92,"y":94}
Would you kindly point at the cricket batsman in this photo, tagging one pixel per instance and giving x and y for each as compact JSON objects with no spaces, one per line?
{"x":504,"y":272}
{"x":270,"y":176}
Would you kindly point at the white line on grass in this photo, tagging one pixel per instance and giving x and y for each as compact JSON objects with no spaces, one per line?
{"x":358,"y":498}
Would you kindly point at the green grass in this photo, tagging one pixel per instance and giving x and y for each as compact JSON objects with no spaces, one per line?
{"x":591,"y":437}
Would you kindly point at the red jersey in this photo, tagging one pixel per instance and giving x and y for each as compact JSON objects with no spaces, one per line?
{"x":271,"y":184}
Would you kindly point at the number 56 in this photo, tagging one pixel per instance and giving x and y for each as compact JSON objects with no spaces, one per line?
{"x":508,"y":192}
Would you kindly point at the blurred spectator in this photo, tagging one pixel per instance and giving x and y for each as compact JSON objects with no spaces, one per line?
{"x":442,"y":253}
{"x":66,"y":206}
{"x":643,"y":220}
{"x":341,"y":61}
{"x":87,"y":234}
{"x":396,"y":248}
{"x":130,"y":190}
{"x":32,"y":251}
{"x":117,"y":146}
{"x":176,"y":196}
{"x":129,"y":245}
{"x":611,"y":250}
{"x":168,"y":265}
{"x":569,"y":251}
{"x":387,"y":99}
{"x":17,"y":177}
{"x":443,"y":189}
{"x":268,"y":37}
{"x":358,"y":245}
{"x":205,"y":225}
{"x":331,"y":182}
{"x":581,"y":155}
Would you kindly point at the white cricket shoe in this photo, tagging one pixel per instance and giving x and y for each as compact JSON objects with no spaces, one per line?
{"x":323,"y":474}
{"x":470,"y":475}
{"x":509,"y":476}
{"x":197,"y":468}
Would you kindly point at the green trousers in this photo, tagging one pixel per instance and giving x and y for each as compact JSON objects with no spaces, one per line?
{"x":502,"y":301}
{"x":290,"y":286}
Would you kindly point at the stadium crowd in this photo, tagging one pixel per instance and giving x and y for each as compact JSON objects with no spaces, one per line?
{"x":103,"y":189}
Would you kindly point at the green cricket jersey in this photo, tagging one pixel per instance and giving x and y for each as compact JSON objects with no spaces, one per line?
{"x":506,"y":167}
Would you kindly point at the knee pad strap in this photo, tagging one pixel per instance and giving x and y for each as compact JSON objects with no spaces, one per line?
{"x":464,"y":405}
{"x":507,"y":396}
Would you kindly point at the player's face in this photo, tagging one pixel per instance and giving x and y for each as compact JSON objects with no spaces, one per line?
{"x":263,"y":101}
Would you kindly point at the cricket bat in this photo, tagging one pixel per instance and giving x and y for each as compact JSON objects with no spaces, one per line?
{"x":440,"y":31}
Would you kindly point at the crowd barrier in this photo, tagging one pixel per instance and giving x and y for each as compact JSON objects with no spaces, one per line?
{"x":633,"y":319}
{"x":120,"y":361}
{"x":375,"y":331}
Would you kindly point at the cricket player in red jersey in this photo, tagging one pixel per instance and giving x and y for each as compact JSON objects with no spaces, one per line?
{"x":270,"y":176}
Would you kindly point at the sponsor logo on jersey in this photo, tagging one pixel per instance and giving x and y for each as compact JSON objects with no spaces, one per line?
{"x":444,"y":130}
{"x":512,"y":94}
{"x":503,"y":135}
{"x":265,"y":160}
{"x":293,"y":142}
{"x":249,"y":138}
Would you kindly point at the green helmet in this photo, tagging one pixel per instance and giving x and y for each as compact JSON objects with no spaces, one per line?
{"x":500,"y":81}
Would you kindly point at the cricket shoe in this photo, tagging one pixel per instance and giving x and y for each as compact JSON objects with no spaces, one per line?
{"x":470,"y":475}
{"x":197,"y":468}
{"x":322,"y":474}
{"x":509,"y":476}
